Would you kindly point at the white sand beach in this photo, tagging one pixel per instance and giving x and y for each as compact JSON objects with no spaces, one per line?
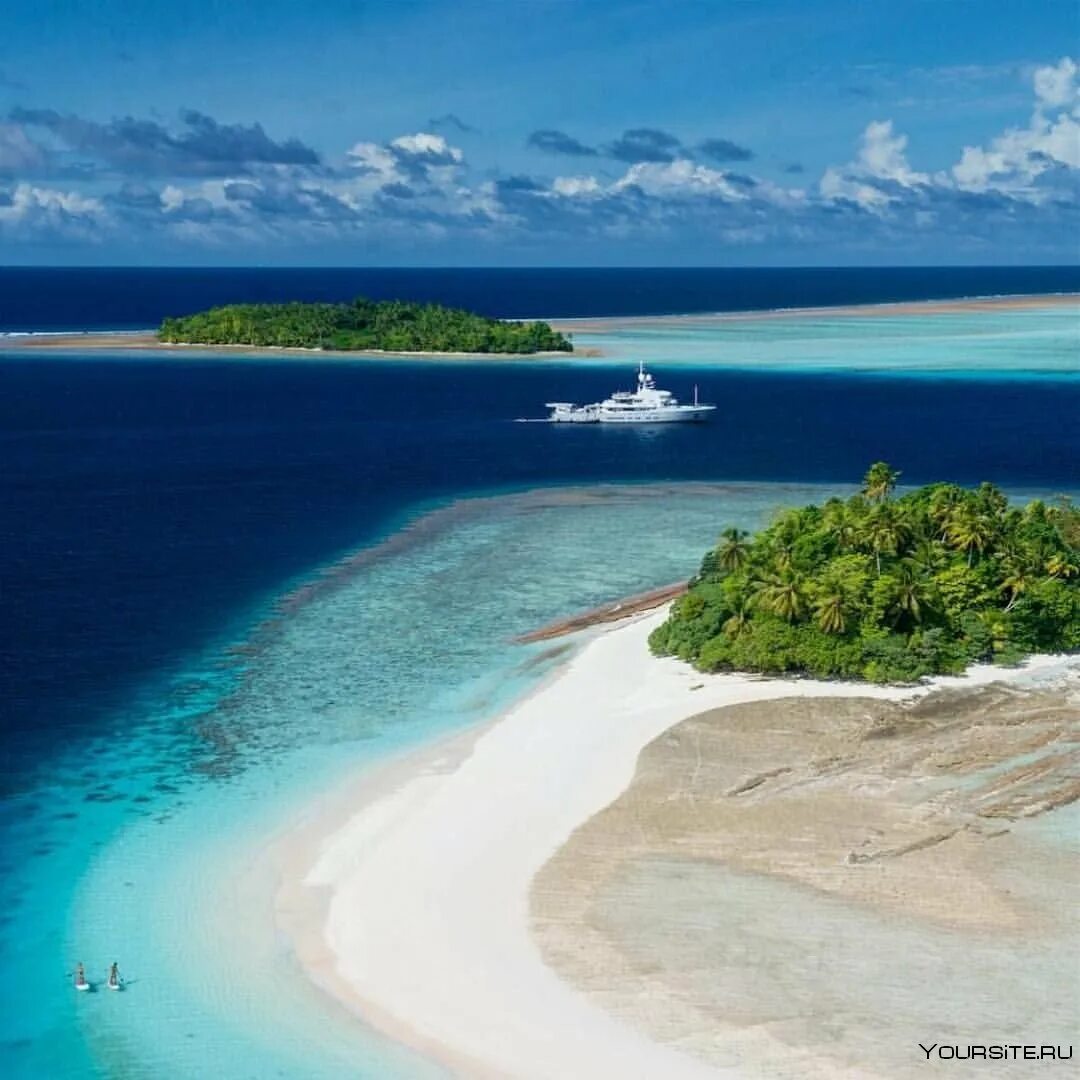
{"x":415,"y":910}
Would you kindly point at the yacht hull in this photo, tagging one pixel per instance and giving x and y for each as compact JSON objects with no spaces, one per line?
{"x":660,"y":416}
{"x":689,"y":415}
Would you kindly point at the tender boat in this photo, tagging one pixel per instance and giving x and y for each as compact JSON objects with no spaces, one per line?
{"x":645,"y":405}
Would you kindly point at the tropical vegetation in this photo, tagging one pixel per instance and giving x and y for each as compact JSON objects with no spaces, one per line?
{"x":389,"y":325}
{"x":885,"y":588}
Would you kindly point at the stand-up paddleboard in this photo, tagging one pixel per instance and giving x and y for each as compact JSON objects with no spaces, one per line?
{"x":80,"y":979}
{"x":84,"y":985}
{"x":118,"y":985}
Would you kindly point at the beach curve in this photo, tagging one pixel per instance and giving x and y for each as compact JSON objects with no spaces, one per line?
{"x":426,"y":884}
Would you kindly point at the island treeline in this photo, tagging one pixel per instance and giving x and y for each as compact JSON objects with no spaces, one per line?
{"x":885,"y":589}
{"x":388,"y":325}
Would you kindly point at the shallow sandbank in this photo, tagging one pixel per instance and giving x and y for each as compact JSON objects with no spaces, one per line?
{"x":147,"y":340}
{"x":607,"y":613}
{"x":850,"y":875}
{"x":975,"y":305}
{"x":415,"y":906}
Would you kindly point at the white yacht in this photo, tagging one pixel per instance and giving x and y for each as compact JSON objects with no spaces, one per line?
{"x":645,"y":405}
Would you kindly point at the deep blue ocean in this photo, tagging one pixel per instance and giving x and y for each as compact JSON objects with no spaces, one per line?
{"x":130,"y":298}
{"x":144,"y":501}
{"x":149,"y":505}
{"x":141,"y":502}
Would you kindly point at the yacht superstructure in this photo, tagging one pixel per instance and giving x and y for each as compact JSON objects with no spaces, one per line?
{"x":645,"y":405}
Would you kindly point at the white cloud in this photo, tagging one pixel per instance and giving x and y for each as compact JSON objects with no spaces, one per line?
{"x":418,"y":185}
{"x":838,"y":184}
{"x":424,"y":144}
{"x":172,"y":198}
{"x":1016,"y":158}
{"x":371,"y":156}
{"x":678,"y":177}
{"x":576,"y":186}
{"x":663,"y":180}
{"x":27,"y":199}
{"x":880,"y":179}
{"x":883,"y":155}
{"x":881,"y":167}
{"x":36,"y":211}
{"x":1055,"y":85}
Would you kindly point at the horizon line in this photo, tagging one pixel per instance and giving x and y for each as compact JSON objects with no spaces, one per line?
{"x":534,"y":268}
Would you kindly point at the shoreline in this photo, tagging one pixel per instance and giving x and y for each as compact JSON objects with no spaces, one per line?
{"x":147,"y":340}
{"x":637,"y":604}
{"x":408,"y":900}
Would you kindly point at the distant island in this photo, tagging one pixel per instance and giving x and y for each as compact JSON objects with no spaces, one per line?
{"x":885,"y":589}
{"x":387,"y":326}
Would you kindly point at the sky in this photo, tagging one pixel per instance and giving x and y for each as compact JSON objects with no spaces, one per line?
{"x":539,"y":132}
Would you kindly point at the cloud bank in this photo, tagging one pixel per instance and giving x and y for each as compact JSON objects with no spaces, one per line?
{"x":206,"y":184}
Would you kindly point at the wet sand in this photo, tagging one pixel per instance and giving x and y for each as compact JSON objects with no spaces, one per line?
{"x":846,"y":876}
{"x":607,"y":613}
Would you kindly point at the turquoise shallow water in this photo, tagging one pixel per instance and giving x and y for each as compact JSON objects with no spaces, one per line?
{"x":991,"y":343}
{"x":130,"y":844}
{"x":383,"y":651}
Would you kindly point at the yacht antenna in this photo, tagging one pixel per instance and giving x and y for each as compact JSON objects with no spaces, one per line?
{"x":695,"y":393}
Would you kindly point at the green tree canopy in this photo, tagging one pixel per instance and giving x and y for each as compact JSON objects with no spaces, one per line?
{"x":388,"y":325}
{"x":885,"y":589}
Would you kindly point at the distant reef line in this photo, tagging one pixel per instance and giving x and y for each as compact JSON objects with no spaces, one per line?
{"x":150,"y":339}
{"x":957,"y":306}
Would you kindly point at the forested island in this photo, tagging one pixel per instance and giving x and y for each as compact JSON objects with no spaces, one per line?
{"x":885,"y":589}
{"x":387,"y":325}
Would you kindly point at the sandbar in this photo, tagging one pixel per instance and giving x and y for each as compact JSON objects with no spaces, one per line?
{"x":969,"y":306}
{"x":423,"y":902}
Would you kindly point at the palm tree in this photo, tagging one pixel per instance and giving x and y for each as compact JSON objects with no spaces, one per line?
{"x":830,"y":611}
{"x":1016,"y":581}
{"x":926,"y":559}
{"x":879,"y":481}
{"x":943,"y":504}
{"x":992,"y":500}
{"x":969,"y":531}
{"x":783,"y":536}
{"x":840,"y":524}
{"x":782,"y":594}
{"x":1058,"y":566}
{"x":738,"y":621}
{"x":910,"y":598}
{"x":783,"y":553}
{"x":1064,"y":515}
{"x":884,"y":532}
{"x":734,"y":551}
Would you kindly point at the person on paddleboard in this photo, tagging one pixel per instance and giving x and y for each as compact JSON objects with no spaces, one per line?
{"x":80,"y":977}
{"x":114,"y":977}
